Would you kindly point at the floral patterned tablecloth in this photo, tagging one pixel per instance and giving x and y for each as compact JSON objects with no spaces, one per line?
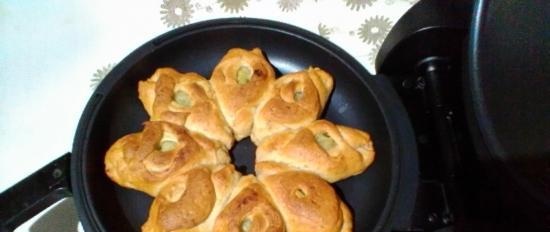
{"x":358,"y":26}
{"x":53,"y":54}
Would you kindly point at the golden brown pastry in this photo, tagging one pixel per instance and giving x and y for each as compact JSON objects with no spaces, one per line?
{"x":186,"y":100}
{"x":241,"y":80}
{"x":183,"y":203}
{"x":297,"y":100}
{"x":181,"y":159}
{"x":250,"y":209}
{"x":145,"y":160}
{"x":331,"y":151}
{"x":191,"y":202}
{"x":307,"y":202}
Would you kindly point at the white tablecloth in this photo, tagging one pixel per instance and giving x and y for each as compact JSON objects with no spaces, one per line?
{"x":53,"y":53}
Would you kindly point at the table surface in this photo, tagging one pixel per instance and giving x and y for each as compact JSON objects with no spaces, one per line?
{"x":53,"y":54}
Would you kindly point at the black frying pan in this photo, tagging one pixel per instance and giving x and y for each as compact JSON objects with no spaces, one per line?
{"x":381,"y":198}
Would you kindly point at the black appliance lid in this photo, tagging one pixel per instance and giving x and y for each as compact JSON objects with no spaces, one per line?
{"x":508,"y":88}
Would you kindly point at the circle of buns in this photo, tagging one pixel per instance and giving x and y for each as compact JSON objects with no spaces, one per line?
{"x":181,"y":156}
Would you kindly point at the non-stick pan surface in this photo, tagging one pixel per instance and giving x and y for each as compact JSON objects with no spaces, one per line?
{"x":380,"y":198}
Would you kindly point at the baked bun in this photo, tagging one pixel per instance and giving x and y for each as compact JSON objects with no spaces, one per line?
{"x":307,"y":202}
{"x":331,"y":151}
{"x":241,"y":80}
{"x":192,"y":201}
{"x":180,"y":157}
{"x":250,"y":209}
{"x":186,"y":100}
{"x":145,"y":160}
{"x":297,"y":100}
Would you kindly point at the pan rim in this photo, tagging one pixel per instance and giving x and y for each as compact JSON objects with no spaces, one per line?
{"x":402,"y":187}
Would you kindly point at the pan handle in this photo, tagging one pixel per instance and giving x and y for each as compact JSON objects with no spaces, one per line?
{"x":35,"y":193}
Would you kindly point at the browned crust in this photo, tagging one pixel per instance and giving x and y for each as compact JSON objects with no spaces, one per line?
{"x":238,"y":102}
{"x":298,"y":150}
